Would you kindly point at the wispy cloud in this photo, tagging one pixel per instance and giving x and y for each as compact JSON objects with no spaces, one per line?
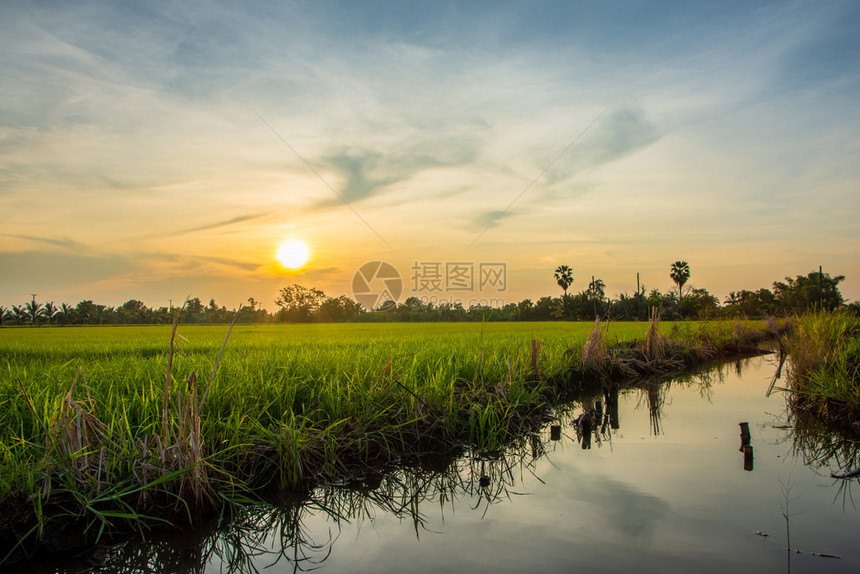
{"x":619,"y":133}
{"x":58,"y":242}
{"x":366,"y":173}
{"x":220,"y":224}
{"x":247,"y":266}
{"x":192,"y":263}
{"x":492,"y":218}
{"x":42,"y":271}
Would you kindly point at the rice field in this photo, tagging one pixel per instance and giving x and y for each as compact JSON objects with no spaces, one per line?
{"x":113,"y":426}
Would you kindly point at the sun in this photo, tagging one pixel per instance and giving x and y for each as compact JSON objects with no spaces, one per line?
{"x":293,"y":253}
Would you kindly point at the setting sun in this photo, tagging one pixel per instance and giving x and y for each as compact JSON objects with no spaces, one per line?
{"x":293,"y":253}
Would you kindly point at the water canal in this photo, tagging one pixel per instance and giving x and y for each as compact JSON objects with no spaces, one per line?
{"x":662,"y":486}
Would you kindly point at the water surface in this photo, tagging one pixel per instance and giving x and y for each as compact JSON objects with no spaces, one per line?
{"x":667,"y":490}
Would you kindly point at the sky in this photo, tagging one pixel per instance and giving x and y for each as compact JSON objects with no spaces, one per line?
{"x":161,"y":150}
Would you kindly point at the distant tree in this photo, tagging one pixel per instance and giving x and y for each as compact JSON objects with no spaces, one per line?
{"x":192,"y":311}
{"x":526,"y":310}
{"x":543,"y":308}
{"x":66,"y":314}
{"x":253,"y":312}
{"x":19,"y":314}
{"x":664,"y":301}
{"x":625,"y":307}
{"x":564,"y":277}
{"x":805,"y":293}
{"x":509,"y":312}
{"x":680,"y":273}
{"x":339,"y":310}
{"x":133,"y":312}
{"x":596,"y":293}
{"x":49,"y":312}
{"x":700,"y":304}
{"x":162,"y":316}
{"x":757,"y":303}
{"x":215,"y":314}
{"x":109,"y":315}
{"x":298,"y":304}
{"x":34,"y":310}
{"x":3,"y":312}
{"x":90,"y":313}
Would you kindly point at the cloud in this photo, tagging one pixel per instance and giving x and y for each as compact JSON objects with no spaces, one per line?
{"x":219,"y":224}
{"x":42,"y":271}
{"x":363,"y":174}
{"x":367,"y":172}
{"x":164,"y":264}
{"x":247,"y":266}
{"x":59,"y":242}
{"x":492,"y":218}
{"x":617,"y":134}
{"x":819,"y":59}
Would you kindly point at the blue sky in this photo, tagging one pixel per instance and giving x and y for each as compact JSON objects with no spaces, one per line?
{"x":156,"y":150}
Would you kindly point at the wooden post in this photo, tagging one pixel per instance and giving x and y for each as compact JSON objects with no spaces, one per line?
{"x":638,"y":299}
{"x":586,"y":426}
{"x":745,"y":434}
{"x":748,"y":457}
{"x":820,"y":288}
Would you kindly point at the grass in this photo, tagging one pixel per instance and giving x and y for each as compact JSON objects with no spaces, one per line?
{"x":824,"y":370}
{"x":103,"y":428}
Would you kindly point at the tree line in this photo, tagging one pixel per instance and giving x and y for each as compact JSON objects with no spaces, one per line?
{"x":298,"y":304}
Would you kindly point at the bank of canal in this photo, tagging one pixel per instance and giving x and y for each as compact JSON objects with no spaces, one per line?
{"x":669,"y":489}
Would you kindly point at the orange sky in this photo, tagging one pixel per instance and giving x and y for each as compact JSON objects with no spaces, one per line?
{"x":160,"y":152}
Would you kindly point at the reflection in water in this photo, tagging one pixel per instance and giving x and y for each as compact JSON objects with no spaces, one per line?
{"x":656,"y":396}
{"x":286,"y":531}
{"x":611,"y":397}
{"x":746,"y":447}
{"x":827,"y":452}
{"x":249,"y":538}
{"x":777,"y":375}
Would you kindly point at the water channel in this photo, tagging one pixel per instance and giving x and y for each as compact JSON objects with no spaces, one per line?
{"x":663,"y":485}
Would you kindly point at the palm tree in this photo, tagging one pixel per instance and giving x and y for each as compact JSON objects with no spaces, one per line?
{"x":19,"y":314}
{"x":3,"y":311}
{"x":33,"y":310}
{"x":65,"y":313}
{"x":564,"y":277}
{"x":680,"y":273}
{"x":49,"y":312}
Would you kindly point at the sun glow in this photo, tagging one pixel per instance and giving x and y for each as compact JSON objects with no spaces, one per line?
{"x":293,"y":253}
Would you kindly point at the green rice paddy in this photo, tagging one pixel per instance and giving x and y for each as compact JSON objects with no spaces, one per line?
{"x":93,"y":430}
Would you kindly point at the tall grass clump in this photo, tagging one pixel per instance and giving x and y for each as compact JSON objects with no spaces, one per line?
{"x":824,"y":368}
